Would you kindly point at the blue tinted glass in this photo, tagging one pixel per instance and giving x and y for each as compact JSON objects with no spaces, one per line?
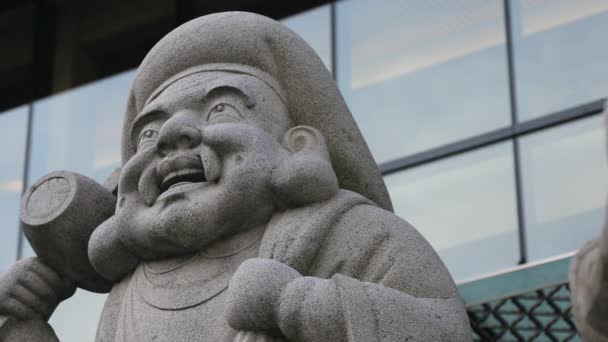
{"x":13,"y":134}
{"x":314,"y":27}
{"x":465,"y":207}
{"x":79,"y":130}
{"x":560,"y":60}
{"x":564,"y":180}
{"x":418,"y":74}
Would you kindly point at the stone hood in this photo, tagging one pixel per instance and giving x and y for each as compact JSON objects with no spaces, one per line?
{"x":257,"y":42}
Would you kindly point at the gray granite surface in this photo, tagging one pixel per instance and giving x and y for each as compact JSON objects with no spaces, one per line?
{"x":248,"y":208}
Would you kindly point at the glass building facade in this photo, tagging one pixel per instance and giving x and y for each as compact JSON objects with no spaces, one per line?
{"x":483,"y":115}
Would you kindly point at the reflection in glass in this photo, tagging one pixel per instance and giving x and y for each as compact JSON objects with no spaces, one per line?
{"x":564,"y":186}
{"x":419,"y":74}
{"x":314,"y":27}
{"x":13,"y":134}
{"x":465,"y":207}
{"x":79,"y":131}
{"x":559,"y":60}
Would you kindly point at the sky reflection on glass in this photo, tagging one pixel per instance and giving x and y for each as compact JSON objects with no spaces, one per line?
{"x":465,"y":207}
{"x":560,"y":57}
{"x":314,"y":27}
{"x":79,"y":130}
{"x":564,"y":179}
{"x":420,"y":74}
{"x":13,"y":133}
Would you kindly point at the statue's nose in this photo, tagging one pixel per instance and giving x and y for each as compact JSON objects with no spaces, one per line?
{"x":180,"y":132}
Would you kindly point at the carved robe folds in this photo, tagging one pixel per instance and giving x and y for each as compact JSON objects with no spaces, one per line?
{"x":371,"y":272}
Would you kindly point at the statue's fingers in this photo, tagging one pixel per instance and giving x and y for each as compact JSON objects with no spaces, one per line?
{"x":42,"y":307}
{"x":15,"y":308}
{"x":46,"y":272}
{"x":37,"y":285}
{"x":63,"y":287}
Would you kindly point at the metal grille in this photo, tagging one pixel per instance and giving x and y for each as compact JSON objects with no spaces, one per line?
{"x":540,"y":315}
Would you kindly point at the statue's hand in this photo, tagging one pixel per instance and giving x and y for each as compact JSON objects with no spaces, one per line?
{"x":32,"y":290}
{"x":255,"y":292}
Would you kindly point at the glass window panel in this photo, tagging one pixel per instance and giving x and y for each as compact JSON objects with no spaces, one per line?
{"x":465,"y":206}
{"x":564,"y":186}
{"x":79,"y":130}
{"x":559,"y":61}
{"x":13,"y":134}
{"x":419,"y":74}
{"x":314,"y":27}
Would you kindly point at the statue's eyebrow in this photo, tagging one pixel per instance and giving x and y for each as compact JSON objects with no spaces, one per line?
{"x":249,"y":100}
{"x":144,"y":118}
{"x":155,"y":111}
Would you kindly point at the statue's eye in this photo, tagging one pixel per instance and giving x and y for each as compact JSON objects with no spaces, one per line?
{"x":223,"y":112}
{"x":147,"y":136}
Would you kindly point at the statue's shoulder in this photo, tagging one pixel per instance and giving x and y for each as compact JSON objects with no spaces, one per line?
{"x":378,"y":246}
{"x":377,"y":229}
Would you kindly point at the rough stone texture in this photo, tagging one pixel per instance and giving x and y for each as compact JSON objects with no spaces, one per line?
{"x":58,"y":214}
{"x":14,"y":330}
{"x":589,"y":282}
{"x":589,"y":288}
{"x":29,"y":293}
{"x":249,"y":207}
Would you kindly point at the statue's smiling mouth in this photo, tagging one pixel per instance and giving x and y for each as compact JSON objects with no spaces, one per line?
{"x":182,"y":177}
{"x":180,"y":173}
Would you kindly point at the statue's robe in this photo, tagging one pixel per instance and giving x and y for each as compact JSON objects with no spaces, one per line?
{"x":589,"y":289}
{"x":392,"y":284}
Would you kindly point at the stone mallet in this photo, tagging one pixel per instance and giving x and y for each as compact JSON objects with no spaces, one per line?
{"x":58,"y":215}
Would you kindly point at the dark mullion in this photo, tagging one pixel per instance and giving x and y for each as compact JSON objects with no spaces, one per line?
{"x":523,"y":250}
{"x":42,"y":57}
{"x":26,"y":168}
{"x":333,"y":40}
{"x":496,"y":136}
{"x":561,"y":117}
{"x":446,"y":151}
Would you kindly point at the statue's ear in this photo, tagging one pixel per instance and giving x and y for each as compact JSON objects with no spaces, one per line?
{"x":305,"y":139}
{"x":305,"y":175}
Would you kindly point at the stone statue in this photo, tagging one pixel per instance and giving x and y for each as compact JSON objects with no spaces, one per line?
{"x":589,"y":284}
{"x":248,"y":208}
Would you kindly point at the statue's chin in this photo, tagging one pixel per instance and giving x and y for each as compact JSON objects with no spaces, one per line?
{"x":152,"y":245}
{"x":168,"y":264}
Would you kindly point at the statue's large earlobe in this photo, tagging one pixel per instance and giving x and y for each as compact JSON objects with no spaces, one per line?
{"x":107,"y":253}
{"x":305,"y":175}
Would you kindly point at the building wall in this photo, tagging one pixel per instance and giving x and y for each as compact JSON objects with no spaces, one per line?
{"x":484,"y":119}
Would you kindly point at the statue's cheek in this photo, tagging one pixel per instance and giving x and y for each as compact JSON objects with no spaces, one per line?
{"x":133,"y":170}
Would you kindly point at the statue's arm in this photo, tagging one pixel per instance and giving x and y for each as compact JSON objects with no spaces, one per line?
{"x":378,"y":280}
{"x":347,"y":309}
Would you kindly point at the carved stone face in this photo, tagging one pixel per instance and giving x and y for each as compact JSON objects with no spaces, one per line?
{"x":206,"y":148}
